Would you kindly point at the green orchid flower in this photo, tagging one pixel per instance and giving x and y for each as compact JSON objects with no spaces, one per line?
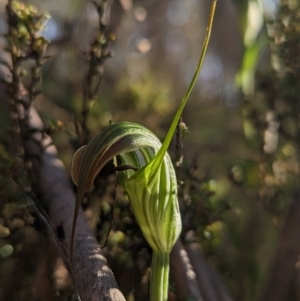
{"x":148,"y":178}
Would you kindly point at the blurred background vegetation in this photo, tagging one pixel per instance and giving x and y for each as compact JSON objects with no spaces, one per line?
{"x":240,"y":129}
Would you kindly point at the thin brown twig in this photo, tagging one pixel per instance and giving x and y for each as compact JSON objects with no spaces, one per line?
{"x":97,"y":55}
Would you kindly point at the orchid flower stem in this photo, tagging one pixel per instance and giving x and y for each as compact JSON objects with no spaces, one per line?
{"x":159,"y":282}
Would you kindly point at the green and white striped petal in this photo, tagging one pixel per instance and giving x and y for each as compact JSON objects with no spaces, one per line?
{"x":150,"y":182}
{"x":152,"y":190}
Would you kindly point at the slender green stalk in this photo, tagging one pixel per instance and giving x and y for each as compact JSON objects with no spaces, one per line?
{"x":159,"y":281}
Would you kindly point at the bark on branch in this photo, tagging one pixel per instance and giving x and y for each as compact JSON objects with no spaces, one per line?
{"x":194,"y":277}
{"x":93,"y":277}
{"x":283,"y":267}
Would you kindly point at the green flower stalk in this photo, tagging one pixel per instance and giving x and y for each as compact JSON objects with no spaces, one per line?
{"x":148,"y":178}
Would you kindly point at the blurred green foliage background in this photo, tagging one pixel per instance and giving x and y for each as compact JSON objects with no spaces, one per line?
{"x":240,"y":152}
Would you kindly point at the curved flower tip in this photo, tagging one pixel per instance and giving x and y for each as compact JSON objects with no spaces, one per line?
{"x":76,"y":161}
{"x":152,"y":189}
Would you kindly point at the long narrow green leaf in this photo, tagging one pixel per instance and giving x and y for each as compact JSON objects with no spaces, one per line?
{"x":175,"y":121}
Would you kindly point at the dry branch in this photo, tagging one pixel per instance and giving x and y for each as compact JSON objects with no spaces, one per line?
{"x":208,"y":279}
{"x":282,"y":270}
{"x":93,"y":277}
{"x":183,"y":274}
{"x":194,"y":277}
